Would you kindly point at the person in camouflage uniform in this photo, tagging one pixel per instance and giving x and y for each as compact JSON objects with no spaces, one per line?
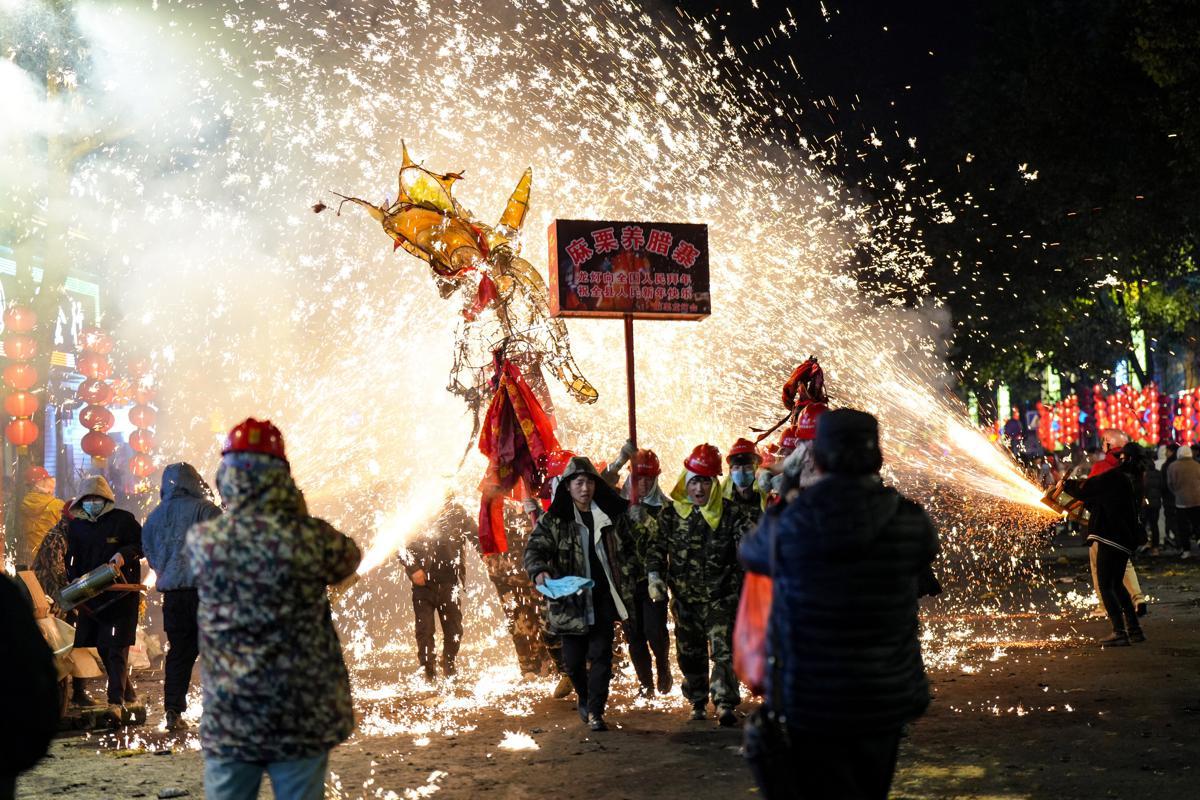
{"x":693,"y":553}
{"x":742,"y":488}
{"x":587,"y":533}
{"x":276,"y":690}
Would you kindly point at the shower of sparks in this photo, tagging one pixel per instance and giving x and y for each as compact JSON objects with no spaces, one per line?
{"x":230,"y":119}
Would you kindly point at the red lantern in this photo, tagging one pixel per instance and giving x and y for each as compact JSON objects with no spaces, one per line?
{"x":141,"y":465}
{"x":142,"y":416}
{"x":20,"y":347}
{"x":98,"y":445}
{"x":144,"y":397}
{"x":21,"y":404}
{"x":141,"y":441}
{"x":20,"y":319}
{"x":95,"y":392}
{"x":93,"y":365}
{"x":21,"y":432}
{"x":21,"y":377}
{"x":138,"y":367}
{"x":96,"y":341}
{"x":97,"y":418}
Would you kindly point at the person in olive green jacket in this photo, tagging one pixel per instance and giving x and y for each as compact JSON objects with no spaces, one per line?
{"x":587,"y":533}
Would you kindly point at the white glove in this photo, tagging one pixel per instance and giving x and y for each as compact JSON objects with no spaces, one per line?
{"x":628,"y":449}
{"x":532,"y":508}
{"x":764,"y":480}
{"x":637,"y":513}
{"x":656,"y":587}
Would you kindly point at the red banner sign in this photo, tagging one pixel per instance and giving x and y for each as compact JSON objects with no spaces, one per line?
{"x":650,"y":270}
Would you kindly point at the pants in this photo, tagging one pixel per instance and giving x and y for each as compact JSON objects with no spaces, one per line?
{"x":303,"y":779}
{"x":440,"y":601}
{"x":1150,"y":518}
{"x":646,"y":633}
{"x":1187,"y":526}
{"x":1130,"y":578}
{"x":820,"y":765}
{"x":1171,"y":519}
{"x":1110,"y":572}
{"x":587,"y":660}
{"x":183,"y":645}
{"x":704,"y":633}
{"x":116,"y":664}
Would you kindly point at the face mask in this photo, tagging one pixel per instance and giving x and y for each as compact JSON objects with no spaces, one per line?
{"x":742,"y":479}
{"x":93,"y":507}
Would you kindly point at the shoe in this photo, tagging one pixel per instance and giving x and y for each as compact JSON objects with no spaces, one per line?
{"x":645,"y":691}
{"x":564,"y":688}
{"x":726,"y":717}
{"x":1116,"y":640}
{"x":1098,"y":612}
{"x":115,"y":716}
{"x":1137,"y":637}
{"x":665,"y":681}
{"x":1142,"y":609}
{"x":81,"y":698}
{"x":582,"y":709}
{"x":176,"y":722}
{"x":596,"y":723}
{"x":449,"y":670}
{"x":130,"y":695}
{"x":699,"y":711}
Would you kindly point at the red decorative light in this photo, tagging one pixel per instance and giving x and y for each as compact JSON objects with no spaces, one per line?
{"x":20,"y":346}
{"x":142,"y":441}
{"x":98,"y":445}
{"x":21,"y":432}
{"x":143,"y":416}
{"x":94,"y":392}
{"x":141,"y":465}
{"x":97,"y":418}
{"x":21,"y":404}
{"x":93,"y":366}
{"x":20,"y":319}
{"x":21,"y":377}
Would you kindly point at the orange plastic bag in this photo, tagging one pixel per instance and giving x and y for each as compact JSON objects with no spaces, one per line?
{"x":750,"y":632}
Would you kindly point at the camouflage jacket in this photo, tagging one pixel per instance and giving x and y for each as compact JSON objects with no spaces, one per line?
{"x":556,"y":546}
{"x":275,"y":685}
{"x":698,"y":563}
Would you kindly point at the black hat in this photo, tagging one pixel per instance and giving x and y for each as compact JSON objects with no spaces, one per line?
{"x":847,"y":442}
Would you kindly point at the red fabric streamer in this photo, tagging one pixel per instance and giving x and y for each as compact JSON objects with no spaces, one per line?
{"x":515,"y":432}
{"x":484,"y":296}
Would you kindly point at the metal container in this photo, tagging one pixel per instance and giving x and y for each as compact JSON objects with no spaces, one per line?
{"x":88,"y":586}
{"x":1067,"y":505}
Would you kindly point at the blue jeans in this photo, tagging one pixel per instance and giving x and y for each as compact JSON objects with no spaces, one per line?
{"x":303,"y":779}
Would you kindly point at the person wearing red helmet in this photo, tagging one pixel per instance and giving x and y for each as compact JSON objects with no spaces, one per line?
{"x":40,"y":510}
{"x":742,"y":488}
{"x":276,"y":690}
{"x":646,"y":630}
{"x":693,"y":554}
{"x":796,"y":470}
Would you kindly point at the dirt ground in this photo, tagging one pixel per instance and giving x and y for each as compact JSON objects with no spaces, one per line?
{"x":1045,"y":714}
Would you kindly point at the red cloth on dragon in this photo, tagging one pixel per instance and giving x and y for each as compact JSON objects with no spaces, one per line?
{"x":516,"y":430}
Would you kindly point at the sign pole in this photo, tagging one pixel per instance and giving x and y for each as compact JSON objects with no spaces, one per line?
{"x":631,"y":401}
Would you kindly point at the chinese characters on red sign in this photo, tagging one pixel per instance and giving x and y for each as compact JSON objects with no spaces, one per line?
{"x":650,"y":270}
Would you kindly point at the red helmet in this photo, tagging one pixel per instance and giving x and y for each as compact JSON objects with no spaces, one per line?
{"x":789,"y":439}
{"x":255,"y":436}
{"x":36,"y":474}
{"x":645,"y":464}
{"x":806,"y":426}
{"x":770,"y":454}
{"x":555,"y":462}
{"x":742,"y":447}
{"x":705,"y":460}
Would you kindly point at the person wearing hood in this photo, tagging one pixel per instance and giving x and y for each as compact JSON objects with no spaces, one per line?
{"x":846,"y":559}
{"x":586,"y":534}
{"x":693,"y":554}
{"x":646,"y":631}
{"x":185,"y":500}
{"x":742,"y":488}
{"x":40,"y":511}
{"x":101,"y":533}
{"x":436,"y":565}
{"x":1113,"y":498}
{"x":1183,"y":476}
{"x":276,"y":690}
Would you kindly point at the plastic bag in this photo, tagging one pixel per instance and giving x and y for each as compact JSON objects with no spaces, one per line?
{"x":750,"y":632}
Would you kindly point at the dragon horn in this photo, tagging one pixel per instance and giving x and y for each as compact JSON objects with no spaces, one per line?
{"x":518,"y":203}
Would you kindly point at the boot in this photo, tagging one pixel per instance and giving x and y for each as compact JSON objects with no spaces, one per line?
{"x":700,"y":710}
{"x":596,"y":723}
{"x":564,"y":687}
{"x":1118,"y":639}
{"x":115,"y":717}
{"x":176,"y":722}
{"x":1136,"y":636}
{"x":665,"y":681}
{"x":130,"y":691}
{"x":430,"y":673}
{"x":79,"y":695}
{"x":448,"y":668}
{"x":726,"y":717}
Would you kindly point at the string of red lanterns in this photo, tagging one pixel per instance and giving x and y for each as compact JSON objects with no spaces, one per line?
{"x":94,"y":366}
{"x":142,"y":416}
{"x":20,"y":376}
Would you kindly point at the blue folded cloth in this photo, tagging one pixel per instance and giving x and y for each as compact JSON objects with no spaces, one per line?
{"x":555,"y":588}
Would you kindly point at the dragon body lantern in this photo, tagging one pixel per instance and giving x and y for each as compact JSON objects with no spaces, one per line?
{"x":482,"y":264}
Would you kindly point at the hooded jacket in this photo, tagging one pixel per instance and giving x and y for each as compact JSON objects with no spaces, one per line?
{"x":843,"y":630}
{"x":1183,"y":478}
{"x":441,"y":551}
{"x":185,"y":501}
{"x":92,"y":541}
{"x":39,"y":513}
{"x":695,"y":548}
{"x":556,"y":546}
{"x":275,"y":685}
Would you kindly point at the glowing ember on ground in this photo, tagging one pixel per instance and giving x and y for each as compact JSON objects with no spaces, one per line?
{"x":516,"y":740}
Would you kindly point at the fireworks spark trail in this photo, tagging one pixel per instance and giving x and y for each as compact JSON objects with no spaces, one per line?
{"x":234,"y":118}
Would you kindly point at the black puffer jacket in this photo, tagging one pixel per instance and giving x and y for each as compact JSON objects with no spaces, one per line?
{"x":439,"y":552}
{"x":843,"y":628}
{"x":1113,"y":500}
